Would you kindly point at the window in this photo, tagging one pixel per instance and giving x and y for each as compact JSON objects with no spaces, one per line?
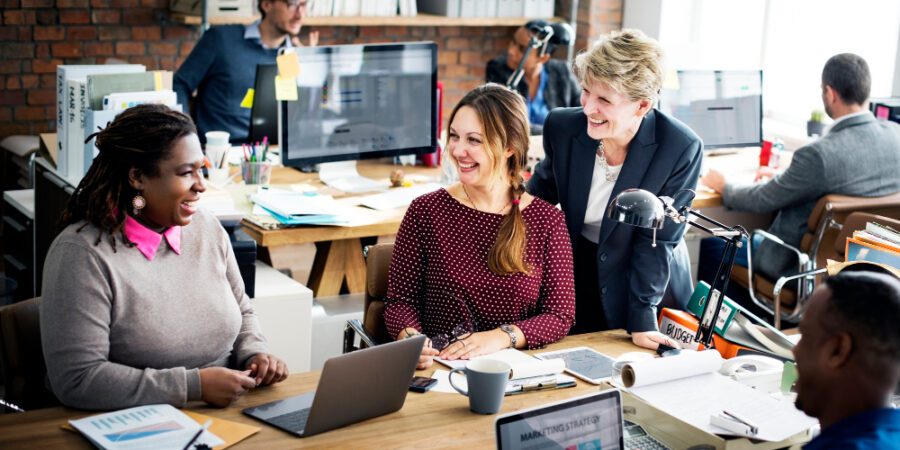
{"x":789,"y":40}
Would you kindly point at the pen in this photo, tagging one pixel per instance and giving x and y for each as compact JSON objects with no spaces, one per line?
{"x":197,"y":435}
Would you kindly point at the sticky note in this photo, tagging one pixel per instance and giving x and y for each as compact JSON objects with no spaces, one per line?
{"x":247,"y":102}
{"x":288,"y":65}
{"x":285,"y":88}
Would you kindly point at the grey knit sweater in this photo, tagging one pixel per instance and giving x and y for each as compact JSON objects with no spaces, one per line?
{"x":119,"y":330}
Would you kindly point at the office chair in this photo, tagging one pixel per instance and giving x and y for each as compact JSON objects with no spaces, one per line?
{"x":22,"y":357}
{"x":372,"y":330}
{"x":817,"y":246}
{"x":854,"y":222}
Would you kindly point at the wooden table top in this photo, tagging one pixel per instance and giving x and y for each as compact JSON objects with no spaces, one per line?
{"x":426,"y":420}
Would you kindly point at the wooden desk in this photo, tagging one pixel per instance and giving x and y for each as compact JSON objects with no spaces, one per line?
{"x":425,"y":421}
{"x":339,"y":257}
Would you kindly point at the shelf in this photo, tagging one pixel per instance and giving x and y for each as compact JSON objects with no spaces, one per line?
{"x":219,"y":20}
{"x":422,"y":20}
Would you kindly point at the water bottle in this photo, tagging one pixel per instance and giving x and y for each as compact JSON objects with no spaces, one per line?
{"x":777,"y":151}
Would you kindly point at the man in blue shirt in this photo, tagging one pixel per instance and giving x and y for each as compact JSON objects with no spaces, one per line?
{"x":848,"y":361}
{"x":222,"y":66}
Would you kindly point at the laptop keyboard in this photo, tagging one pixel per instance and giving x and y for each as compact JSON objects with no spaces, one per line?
{"x":643,"y":443}
{"x":294,"y":421}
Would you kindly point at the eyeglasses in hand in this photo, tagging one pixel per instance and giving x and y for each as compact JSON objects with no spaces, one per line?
{"x":443,"y":340}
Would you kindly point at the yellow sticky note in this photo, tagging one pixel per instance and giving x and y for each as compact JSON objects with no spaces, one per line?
{"x":247,"y":102}
{"x":288,"y":65}
{"x":285,"y":88}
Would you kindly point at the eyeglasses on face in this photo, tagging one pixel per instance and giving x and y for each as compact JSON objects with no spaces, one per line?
{"x":296,"y":4}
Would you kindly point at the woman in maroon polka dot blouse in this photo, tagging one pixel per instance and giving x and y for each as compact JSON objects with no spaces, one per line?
{"x":481,"y":265}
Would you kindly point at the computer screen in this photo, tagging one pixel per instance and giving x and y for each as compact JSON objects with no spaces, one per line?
{"x":361,"y":101}
{"x":264,"y":112}
{"x":724,"y":107}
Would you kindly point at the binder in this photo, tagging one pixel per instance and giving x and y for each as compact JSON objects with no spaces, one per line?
{"x":76,"y":72}
{"x":737,"y":325}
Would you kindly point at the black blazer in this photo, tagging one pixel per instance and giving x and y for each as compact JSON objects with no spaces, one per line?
{"x":664,"y":157}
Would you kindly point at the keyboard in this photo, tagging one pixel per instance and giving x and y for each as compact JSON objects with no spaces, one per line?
{"x":294,"y":421}
{"x":645,"y":442}
{"x":636,"y":438}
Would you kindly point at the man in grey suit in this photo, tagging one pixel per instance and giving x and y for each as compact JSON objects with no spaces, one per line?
{"x":857,"y":156}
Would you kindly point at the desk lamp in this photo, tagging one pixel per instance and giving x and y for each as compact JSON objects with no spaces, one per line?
{"x":640,"y":208}
{"x":543,"y":35}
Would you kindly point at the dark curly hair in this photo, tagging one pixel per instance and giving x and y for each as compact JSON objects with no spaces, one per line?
{"x":140,"y":137}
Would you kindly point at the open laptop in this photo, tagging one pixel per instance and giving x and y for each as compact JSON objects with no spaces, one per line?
{"x":264,"y":112}
{"x":352,"y":388}
{"x":590,"y":422}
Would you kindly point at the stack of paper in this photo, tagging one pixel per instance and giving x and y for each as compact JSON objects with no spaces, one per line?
{"x":528,"y":373}
{"x":143,"y":427}
{"x":689,"y":388}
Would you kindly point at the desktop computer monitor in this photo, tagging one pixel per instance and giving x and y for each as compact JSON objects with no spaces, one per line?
{"x":724,"y":107}
{"x":264,"y":112}
{"x":360,"y":101}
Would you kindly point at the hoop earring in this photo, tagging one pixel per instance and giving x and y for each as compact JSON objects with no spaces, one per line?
{"x":138,"y":203}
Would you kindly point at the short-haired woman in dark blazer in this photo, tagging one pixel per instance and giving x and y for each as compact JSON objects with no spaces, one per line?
{"x":616,"y":141}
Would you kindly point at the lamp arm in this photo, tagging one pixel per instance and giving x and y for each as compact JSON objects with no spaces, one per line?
{"x":536,"y":41}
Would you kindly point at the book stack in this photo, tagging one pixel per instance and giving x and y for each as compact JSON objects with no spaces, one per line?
{"x":877,"y":243}
{"x":530,"y":9}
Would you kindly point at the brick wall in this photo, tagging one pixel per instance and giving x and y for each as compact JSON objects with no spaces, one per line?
{"x":38,"y":35}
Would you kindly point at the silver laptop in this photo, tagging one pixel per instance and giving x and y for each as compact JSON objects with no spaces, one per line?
{"x":352,"y":388}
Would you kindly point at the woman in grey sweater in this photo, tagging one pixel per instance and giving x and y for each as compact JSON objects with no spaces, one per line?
{"x":142,"y":299}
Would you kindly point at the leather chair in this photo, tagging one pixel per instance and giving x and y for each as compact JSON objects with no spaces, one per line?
{"x":22,"y":357}
{"x":378,"y":261}
{"x":817,"y":245}
{"x":854,"y":222}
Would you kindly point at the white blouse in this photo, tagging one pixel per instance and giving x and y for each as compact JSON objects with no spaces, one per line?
{"x":601,"y":189}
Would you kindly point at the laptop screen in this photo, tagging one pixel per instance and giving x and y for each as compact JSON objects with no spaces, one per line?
{"x":593,"y":421}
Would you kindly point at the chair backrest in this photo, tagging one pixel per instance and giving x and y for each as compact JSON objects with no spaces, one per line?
{"x":831,"y":211}
{"x":22,"y":357}
{"x":378,"y":262}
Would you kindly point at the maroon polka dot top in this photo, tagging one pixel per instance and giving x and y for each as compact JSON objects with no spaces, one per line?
{"x":439,"y":273}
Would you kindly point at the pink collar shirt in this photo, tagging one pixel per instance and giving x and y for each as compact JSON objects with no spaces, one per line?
{"x":147,"y":241}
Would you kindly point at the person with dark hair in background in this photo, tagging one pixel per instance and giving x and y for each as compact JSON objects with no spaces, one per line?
{"x":222,"y":66}
{"x":617,"y":140}
{"x":547,"y":83}
{"x":142,"y":300}
{"x":857,"y":156}
{"x":481,"y":265}
{"x":848,"y":361}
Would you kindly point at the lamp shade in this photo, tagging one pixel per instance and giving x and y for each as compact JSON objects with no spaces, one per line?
{"x":637,"y":207}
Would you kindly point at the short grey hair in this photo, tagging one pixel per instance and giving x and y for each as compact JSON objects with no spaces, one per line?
{"x":628,"y":61}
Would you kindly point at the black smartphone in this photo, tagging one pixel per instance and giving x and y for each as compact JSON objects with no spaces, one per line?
{"x":421,"y":384}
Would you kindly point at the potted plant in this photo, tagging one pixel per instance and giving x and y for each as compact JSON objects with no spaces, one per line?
{"x":815,"y":125}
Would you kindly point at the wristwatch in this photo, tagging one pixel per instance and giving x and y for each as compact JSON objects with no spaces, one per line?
{"x":512,"y":334}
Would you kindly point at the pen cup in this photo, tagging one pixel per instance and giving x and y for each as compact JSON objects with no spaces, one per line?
{"x":256,"y":172}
